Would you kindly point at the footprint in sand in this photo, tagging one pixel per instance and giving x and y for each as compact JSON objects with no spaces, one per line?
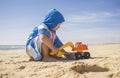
{"x":1,"y":61}
{"x":22,"y":67}
{"x":4,"y":75}
{"x":15,"y":57}
{"x":88,"y":68}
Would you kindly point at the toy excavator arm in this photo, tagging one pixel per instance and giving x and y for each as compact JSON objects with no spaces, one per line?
{"x":69,"y":44}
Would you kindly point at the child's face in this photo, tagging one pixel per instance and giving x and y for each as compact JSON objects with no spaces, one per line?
{"x":57,"y":27}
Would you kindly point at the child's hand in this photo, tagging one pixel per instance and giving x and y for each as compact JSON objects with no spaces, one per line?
{"x":55,"y":50}
{"x":66,"y":54}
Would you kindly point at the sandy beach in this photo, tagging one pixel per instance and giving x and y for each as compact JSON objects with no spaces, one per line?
{"x":104,"y":63}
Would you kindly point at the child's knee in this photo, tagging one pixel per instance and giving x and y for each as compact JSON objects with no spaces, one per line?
{"x":29,"y":51}
{"x":33,"y":55}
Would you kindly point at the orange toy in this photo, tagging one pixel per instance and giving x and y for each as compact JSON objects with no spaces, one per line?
{"x":80,"y":47}
{"x":79,"y":50}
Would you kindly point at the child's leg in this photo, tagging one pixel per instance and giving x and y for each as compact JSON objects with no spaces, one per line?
{"x":45,"y":52}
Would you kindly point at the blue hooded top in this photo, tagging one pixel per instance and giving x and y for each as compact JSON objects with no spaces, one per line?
{"x":53,"y":18}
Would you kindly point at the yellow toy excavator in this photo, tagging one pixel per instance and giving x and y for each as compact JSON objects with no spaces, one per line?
{"x":78,"y":51}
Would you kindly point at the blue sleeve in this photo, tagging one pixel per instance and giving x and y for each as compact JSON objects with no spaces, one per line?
{"x":44,"y":31}
{"x":57,"y":42}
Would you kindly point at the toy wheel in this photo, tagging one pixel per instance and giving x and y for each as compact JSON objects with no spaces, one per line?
{"x":86,"y":55}
{"x":78,"y":56}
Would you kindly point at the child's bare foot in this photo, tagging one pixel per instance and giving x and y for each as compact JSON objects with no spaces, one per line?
{"x":31,"y":59}
{"x":49,"y":59}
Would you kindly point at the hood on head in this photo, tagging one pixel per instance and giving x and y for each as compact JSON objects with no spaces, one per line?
{"x":53,"y":18}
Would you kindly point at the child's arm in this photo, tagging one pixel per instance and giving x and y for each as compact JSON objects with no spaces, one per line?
{"x":48,"y":43}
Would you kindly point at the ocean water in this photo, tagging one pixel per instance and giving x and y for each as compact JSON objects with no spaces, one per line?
{"x":11,"y":47}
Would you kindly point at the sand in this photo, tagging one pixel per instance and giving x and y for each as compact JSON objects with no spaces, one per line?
{"x":104,"y":63}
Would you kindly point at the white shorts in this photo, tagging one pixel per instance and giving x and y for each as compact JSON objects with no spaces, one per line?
{"x":34,"y":49}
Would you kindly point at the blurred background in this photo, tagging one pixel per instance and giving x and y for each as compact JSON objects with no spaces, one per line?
{"x":88,"y":21}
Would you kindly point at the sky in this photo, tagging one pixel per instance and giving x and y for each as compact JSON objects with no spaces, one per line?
{"x":87,"y":21}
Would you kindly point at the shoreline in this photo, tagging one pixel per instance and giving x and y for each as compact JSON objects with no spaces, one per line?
{"x":22,"y":47}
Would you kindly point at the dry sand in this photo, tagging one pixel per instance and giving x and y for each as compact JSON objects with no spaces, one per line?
{"x":104,"y":63}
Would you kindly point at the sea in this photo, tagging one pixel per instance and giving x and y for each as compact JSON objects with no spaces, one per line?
{"x":12,"y":47}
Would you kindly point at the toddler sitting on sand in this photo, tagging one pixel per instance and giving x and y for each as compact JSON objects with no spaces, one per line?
{"x":43,"y":38}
